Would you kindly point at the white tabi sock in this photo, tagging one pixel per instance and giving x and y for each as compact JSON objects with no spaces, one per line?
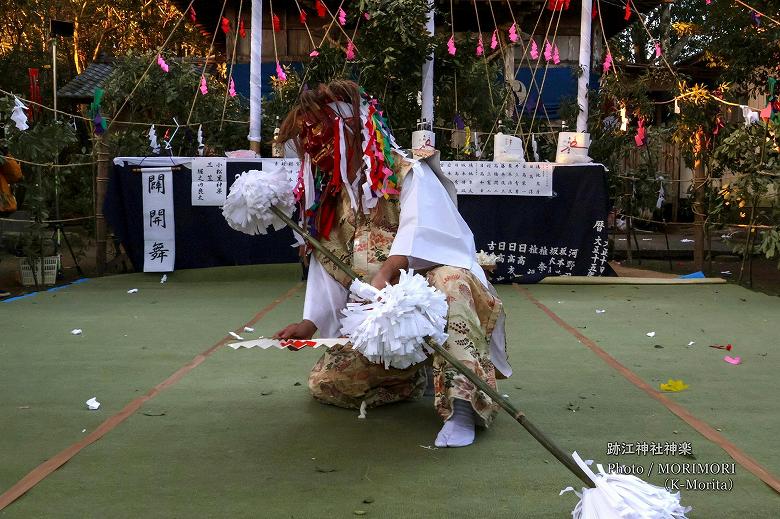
{"x":458,"y":431}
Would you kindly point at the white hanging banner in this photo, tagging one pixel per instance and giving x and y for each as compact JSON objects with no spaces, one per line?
{"x":158,"y":222}
{"x":208,"y":181}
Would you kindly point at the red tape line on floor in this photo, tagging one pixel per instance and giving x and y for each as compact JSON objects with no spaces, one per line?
{"x":703,"y":428}
{"x":40,"y":472}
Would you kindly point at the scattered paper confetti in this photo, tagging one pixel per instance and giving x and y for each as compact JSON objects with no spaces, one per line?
{"x":132,"y":291}
{"x":691,"y":343}
{"x":727,"y":347}
{"x":600,"y":311}
{"x":76,"y":331}
{"x":248,"y":329}
{"x":429,"y":447}
{"x":725,"y":272}
{"x":686,"y":240}
{"x":650,"y":334}
{"x":674,"y":386}
{"x":236,"y":336}
{"x":93,"y":404}
{"x":733,"y":360}
{"x":164,"y":278}
{"x":362,"y":414}
{"x":83,"y":430}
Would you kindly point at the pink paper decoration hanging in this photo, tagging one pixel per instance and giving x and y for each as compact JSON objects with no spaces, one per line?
{"x":451,"y":46}
{"x":494,"y":40}
{"x":204,"y":89}
{"x":314,"y":53}
{"x":232,"y":88}
{"x":556,"y":57}
{"x":534,"y":50}
{"x":342,"y":16}
{"x":548,"y":51}
{"x":366,"y":15}
{"x":480,"y":46}
{"x":513,"y":33}
{"x":657,"y":49}
{"x":608,"y":62}
{"x":280,"y":75}
{"x":350,"y":50}
{"x":162,"y":63}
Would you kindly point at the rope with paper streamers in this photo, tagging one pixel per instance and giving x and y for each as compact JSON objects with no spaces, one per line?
{"x":230,"y":90}
{"x":202,"y":87}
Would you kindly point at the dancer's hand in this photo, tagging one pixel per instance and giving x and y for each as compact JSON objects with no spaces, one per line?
{"x":390,"y":272}
{"x":302,"y":330}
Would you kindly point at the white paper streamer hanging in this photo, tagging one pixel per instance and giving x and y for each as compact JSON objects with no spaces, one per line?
{"x":153,"y":144}
{"x":18,"y":116}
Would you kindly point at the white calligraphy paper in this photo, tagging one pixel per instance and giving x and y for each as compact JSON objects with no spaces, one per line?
{"x":473,"y":177}
{"x":209,"y":187}
{"x":158,"y":221}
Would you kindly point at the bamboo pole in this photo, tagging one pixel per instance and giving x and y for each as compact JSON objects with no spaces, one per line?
{"x":698,"y":204}
{"x":101,"y":187}
{"x":505,"y":404}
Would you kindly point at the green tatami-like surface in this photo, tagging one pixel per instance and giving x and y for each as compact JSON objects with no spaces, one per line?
{"x":239,"y":435}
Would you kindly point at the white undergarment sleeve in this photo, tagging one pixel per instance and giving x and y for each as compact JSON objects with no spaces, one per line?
{"x":325,"y":298}
{"x":430,"y":227}
{"x":432,"y":232}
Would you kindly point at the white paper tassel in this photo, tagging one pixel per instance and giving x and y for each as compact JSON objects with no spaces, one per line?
{"x":153,"y":141}
{"x":18,"y":116}
{"x":389,"y":326}
{"x":201,"y":146}
{"x":247,"y":208}
{"x":622,"y":496}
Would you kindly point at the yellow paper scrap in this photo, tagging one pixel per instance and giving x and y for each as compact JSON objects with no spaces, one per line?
{"x":674,"y":385}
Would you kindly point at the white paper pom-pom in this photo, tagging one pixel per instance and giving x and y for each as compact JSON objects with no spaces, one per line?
{"x":389,"y":326}
{"x":624,"y":496}
{"x":248,"y":205}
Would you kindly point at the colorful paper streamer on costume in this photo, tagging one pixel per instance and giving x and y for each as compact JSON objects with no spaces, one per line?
{"x":247,"y":207}
{"x":389,"y":326}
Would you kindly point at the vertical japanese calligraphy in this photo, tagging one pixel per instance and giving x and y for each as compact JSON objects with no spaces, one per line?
{"x":158,"y":221}
{"x":209,"y":187}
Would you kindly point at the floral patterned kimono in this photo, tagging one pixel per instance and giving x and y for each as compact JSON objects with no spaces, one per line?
{"x":423,"y":224}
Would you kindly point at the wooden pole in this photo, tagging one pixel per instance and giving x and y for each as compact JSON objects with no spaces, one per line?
{"x":505,"y":404}
{"x":698,"y":200}
{"x":101,"y":186}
